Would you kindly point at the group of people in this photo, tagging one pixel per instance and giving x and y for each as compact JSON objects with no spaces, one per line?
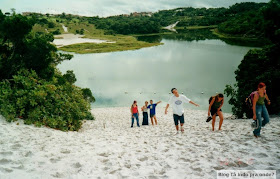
{"x":215,"y":104}
{"x":135,"y":113}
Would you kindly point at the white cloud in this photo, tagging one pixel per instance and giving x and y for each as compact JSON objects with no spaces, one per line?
{"x":110,"y":7}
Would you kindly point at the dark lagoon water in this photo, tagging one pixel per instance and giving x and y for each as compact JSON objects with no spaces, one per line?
{"x":197,"y":66}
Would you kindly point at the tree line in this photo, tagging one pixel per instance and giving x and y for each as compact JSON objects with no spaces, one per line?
{"x":236,"y":20}
{"x":260,"y":65}
{"x":31,"y":86}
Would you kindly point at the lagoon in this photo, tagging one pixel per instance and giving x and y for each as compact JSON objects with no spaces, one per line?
{"x":197,"y":68}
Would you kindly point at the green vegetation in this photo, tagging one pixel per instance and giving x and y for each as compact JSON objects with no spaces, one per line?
{"x":260,"y":66}
{"x":84,"y":26}
{"x":127,"y":24}
{"x":241,"y":23}
{"x":197,"y":27}
{"x":123,"y":43}
{"x":31,"y":86}
{"x":192,"y":35}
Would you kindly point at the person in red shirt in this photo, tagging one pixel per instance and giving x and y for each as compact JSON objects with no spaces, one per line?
{"x":134,"y":113}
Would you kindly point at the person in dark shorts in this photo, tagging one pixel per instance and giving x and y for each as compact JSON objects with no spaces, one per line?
{"x":145,"y":114}
{"x":152,"y":108}
{"x":215,"y":109}
{"x":177,"y":101}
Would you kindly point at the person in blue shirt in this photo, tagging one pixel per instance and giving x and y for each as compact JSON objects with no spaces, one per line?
{"x":152,"y":108}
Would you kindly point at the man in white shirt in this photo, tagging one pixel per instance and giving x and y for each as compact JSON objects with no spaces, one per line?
{"x":177,"y":101}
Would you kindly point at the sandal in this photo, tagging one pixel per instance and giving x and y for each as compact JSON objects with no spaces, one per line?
{"x":209,"y":119}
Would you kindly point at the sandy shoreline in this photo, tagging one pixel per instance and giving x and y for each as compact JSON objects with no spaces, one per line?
{"x":109,"y":148}
{"x":171,"y":27}
{"x":70,"y":39}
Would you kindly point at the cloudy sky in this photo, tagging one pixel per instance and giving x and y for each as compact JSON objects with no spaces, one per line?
{"x":109,"y":7}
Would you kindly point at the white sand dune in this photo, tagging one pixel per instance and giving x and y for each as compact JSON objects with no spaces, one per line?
{"x":64,"y":28}
{"x":69,"y":39}
{"x":109,"y":148}
{"x":172,"y":26}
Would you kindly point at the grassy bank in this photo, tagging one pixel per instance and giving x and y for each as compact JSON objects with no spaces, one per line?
{"x":241,"y":40}
{"x":230,"y":36}
{"x":122,"y":44}
{"x":196,"y":27}
{"x":119,"y":42}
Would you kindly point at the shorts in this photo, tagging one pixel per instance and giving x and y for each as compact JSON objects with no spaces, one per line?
{"x":213,"y":111}
{"x":177,"y":118}
{"x":152,"y":115}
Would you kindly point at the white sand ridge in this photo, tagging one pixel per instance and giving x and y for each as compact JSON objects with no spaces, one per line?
{"x":109,"y":148}
{"x":70,"y":39}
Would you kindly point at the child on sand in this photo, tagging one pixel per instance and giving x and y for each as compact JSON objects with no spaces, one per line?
{"x":152,"y":108}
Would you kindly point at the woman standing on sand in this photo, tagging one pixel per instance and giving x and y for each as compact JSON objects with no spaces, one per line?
{"x":215,"y":106}
{"x":134,"y":113}
{"x":259,"y":109}
{"x":145,"y":114}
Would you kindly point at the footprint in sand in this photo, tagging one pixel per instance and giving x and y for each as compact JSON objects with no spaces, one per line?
{"x":260,"y":155}
{"x":6,"y":170}
{"x":184,"y":160}
{"x":105,"y":160}
{"x":180,"y":144}
{"x":58,"y":175}
{"x":16,"y":146}
{"x":113,"y":172}
{"x":54,"y":160}
{"x":127,"y":165}
{"x":65,"y":151}
{"x":196,"y":169}
{"x":241,"y":164}
{"x":218,"y":168}
{"x":4,"y":161}
{"x":242,"y":152}
{"x":19,"y":167}
{"x":143,"y":159}
{"x":161,"y":172}
{"x":106,"y":168}
{"x":6,"y":153}
{"x":28,"y":154}
{"x":77,"y":165}
{"x":104,"y":154}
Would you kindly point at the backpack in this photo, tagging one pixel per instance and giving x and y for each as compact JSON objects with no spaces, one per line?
{"x":210,"y":99}
{"x":250,"y":98}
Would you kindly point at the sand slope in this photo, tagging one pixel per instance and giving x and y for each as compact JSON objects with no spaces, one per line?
{"x":109,"y":148}
{"x":70,"y":39}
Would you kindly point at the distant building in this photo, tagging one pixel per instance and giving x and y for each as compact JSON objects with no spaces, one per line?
{"x":138,"y":14}
{"x":7,"y":14}
{"x":27,"y":13}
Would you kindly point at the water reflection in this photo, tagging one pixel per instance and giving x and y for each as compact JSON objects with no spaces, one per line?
{"x":199,"y":69}
{"x":191,"y":35}
{"x":203,"y":34}
{"x":150,"y":38}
